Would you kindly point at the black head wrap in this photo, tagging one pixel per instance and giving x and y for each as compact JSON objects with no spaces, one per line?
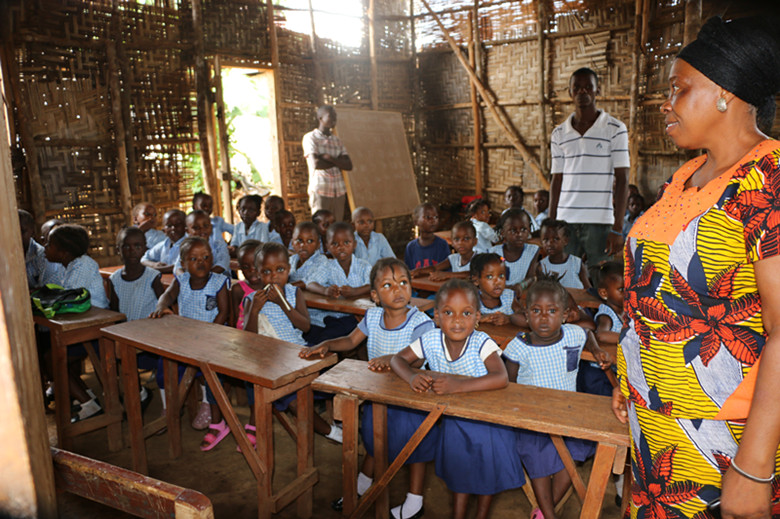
{"x":742,"y":56}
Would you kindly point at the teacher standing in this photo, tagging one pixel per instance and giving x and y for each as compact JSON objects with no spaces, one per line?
{"x":702,"y":295}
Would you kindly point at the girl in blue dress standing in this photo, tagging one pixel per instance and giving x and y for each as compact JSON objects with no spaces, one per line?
{"x":472,"y":457}
{"x":389,"y":328}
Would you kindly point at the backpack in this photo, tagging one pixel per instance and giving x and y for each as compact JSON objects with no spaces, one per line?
{"x":52,"y":299}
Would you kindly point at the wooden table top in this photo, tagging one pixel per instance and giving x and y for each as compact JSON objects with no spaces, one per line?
{"x":549,"y":411}
{"x":357,"y":306}
{"x":92,"y":317}
{"x":248,"y":356}
{"x":106,"y":272}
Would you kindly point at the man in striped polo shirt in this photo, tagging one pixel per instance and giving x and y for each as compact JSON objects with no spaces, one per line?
{"x":590,"y":163}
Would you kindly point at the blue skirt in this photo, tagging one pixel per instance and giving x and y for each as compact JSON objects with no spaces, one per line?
{"x":401,"y":425}
{"x":478,"y":458}
{"x":541,"y":458}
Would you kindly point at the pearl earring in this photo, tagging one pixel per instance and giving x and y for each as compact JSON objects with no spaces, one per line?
{"x":721,"y":104}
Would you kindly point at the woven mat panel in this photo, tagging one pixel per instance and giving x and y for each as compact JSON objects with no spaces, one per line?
{"x":395,"y":86}
{"x":445,"y":174}
{"x":298,"y":120}
{"x":236,"y":26}
{"x":392,"y":7}
{"x":442,"y":80}
{"x":513,"y":71}
{"x":525,"y":118}
{"x":296,"y":83}
{"x":446,"y":127}
{"x":297,"y":171}
{"x":398,"y":231}
{"x":300,"y":208}
{"x":427,"y":32}
{"x":507,"y":168}
{"x":393,"y":38}
{"x":347,"y":83}
{"x":77,"y":176}
{"x":507,"y":21}
{"x":291,"y":44}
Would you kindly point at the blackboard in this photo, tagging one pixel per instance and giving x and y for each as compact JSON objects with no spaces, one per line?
{"x":382,"y":177}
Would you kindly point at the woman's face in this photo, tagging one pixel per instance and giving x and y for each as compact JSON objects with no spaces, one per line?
{"x":689,"y":112}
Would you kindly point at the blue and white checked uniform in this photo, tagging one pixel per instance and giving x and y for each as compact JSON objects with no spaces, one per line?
{"x":218,"y":226}
{"x":455,"y":265}
{"x":281,"y":323}
{"x":378,"y":248}
{"x":164,"y":252}
{"x":507,"y":298}
{"x":516,"y":271}
{"x":40,"y":270}
{"x":553,"y":366}
{"x":471,"y":362}
{"x":486,"y":236}
{"x":331,"y":273}
{"x":200,"y":305}
{"x":317,"y":261}
{"x":570,"y":270}
{"x":257,"y":231}
{"x":84,"y":272}
{"x":136,"y":298}
{"x":383,"y":341}
{"x":153,"y":237}
{"x":617,"y":324}
{"x":219,"y":252}
{"x":275,"y":237}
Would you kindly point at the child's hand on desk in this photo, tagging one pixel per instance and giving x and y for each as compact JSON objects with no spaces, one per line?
{"x":306,"y":353}
{"x":417,"y":273}
{"x":333,"y":291}
{"x":421,"y":382}
{"x":160,"y":312}
{"x":437,"y":275}
{"x":443,"y":385}
{"x":380,"y":364}
{"x":347,"y":291}
{"x":497,"y":318}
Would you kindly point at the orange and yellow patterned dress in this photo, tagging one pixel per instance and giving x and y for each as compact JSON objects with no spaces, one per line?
{"x":694,"y":332}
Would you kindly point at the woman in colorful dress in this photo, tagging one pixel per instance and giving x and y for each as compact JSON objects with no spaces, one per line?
{"x":702,"y":293}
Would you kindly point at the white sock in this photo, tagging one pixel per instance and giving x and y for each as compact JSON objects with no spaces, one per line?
{"x":411,"y":506}
{"x":363,"y":483}
{"x":143,"y":392}
{"x":89,"y":408}
{"x":204,"y":394}
{"x":162,"y":397}
{"x":91,"y":393}
{"x":619,"y":486}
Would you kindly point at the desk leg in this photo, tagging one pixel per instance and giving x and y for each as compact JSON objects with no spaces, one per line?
{"x":172,"y":416}
{"x":133,"y":408}
{"x":347,"y":408}
{"x":382,"y":506}
{"x":305,"y":446}
{"x":111,"y":393}
{"x":597,"y":485}
{"x":59,"y":354}
{"x":264,"y":425}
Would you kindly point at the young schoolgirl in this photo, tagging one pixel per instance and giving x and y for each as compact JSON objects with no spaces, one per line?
{"x":497,"y":303}
{"x":472,"y":457}
{"x":283,"y":228}
{"x":39,"y":270}
{"x":163,"y":256}
{"x":134,"y":289}
{"x":285,"y":308}
{"x":307,"y":257}
{"x":521,"y":258}
{"x":273,"y":204}
{"x":513,"y":198}
{"x":370,"y":246}
{"x":323,"y":219}
{"x":251,"y":282}
{"x":548,"y":356}
{"x":479,"y":214}
{"x":427,"y":250}
{"x":68,"y":245}
{"x":203,"y":202}
{"x":249,"y":228}
{"x":201,"y":294}
{"x":571,"y":269}
{"x":389,"y":328}
{"x":145,"y":218}
{"x":199,"y":225}
{"x":464,"y":238}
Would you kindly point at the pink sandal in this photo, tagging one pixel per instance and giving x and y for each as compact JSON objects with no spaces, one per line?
{"x":211,"y":439}
{"x":250,"y":435}
{"x":537,"y":514}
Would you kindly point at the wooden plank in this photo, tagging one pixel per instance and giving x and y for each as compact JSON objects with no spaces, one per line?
{"x":372,"y":54}
{"x":541,"y":24}
{"x":264,"y":434}
{"x":381,"y":495}
{"x":133,"y":407}
{"x":476,"y":113}
{"x":307,"y":474}
{"x":173,"y":404}
{"x":224,"y":144}
{"x":125,"y":196}
{"x":346,"y":408}
{"x":281,"y":180}
{"x":597,"y":485}
{"x":568,"y":463}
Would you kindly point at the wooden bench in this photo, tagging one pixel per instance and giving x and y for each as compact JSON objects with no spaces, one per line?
{"x":70,"y":329}
{"x":557,"y":413}
{"x":126,"y":490}
{"x":273,"y":366}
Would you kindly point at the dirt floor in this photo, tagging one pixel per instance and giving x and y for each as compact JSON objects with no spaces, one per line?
{"x":224,"y":476}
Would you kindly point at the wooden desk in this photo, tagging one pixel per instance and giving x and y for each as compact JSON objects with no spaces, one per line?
{"x":354,"y":306}
{"x":273,"y":366}
{"x":106,"y":272}
{"x":445,"y":235}
{"x":67,"y":330}
{"x":558,"y":413}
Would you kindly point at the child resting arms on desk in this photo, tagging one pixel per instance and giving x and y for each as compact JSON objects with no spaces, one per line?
{"x":472,"y":456}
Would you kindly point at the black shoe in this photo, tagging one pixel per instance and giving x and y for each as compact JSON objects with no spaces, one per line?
{"x":418,"y":515}
{"x":337,"y":504}
{"x":618,"y":501}
{"x":147,"y":400}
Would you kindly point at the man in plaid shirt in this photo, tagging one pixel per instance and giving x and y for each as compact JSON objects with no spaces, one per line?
{"x":326,"y":156}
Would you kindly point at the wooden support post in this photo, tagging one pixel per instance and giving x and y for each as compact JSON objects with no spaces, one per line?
{"x":636,"y":65}
{"x":224,"y":144}
{"x":692,"y":20}
{"x":278,"y":156}
{"x":541,"y":22}
{"x":125,"y":196}
{"x":27,"y":478}
{"x":372,"y":54}
{"x":498,"y":115}
{"x":318,"y":83}
{"x":202,"y":86}
{"x":24,"y":119}
{"x":211,"y":136}
{"x":476,"y":114}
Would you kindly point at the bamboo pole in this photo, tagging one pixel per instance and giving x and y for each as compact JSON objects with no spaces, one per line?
{"x":202,"y":86}
{"x":500,"y":117}
{"x":278,"y":155}
{"x":124,"y":67}
{"x":224,"y":144}
{"x":125,"y":196}
{"x":473,"y":32}
{"x":636,"y":58}
{"x":318,"y":93}
{"x":24,"y":119}
{"x":541,"y":22}
{"x":212,"y":136}
{"x":372,"y":54}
